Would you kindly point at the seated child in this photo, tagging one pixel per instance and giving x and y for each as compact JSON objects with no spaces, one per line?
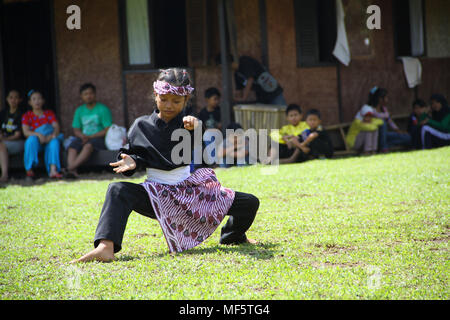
{"x":210,"y":115}
{"x":41,"y":130}
{"x":11,"y":139}
{"x":363,"y":134}
{"x":235,"y":146}
{"x":284,"y":136}
{"x":189,"y":207}
{"x":419,"y":114}
{"x":313,"y":142}
{"x":436,"y":129}
{"x":378,"y":100}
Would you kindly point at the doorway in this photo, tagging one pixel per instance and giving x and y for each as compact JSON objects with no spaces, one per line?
{"x":27,"y":49}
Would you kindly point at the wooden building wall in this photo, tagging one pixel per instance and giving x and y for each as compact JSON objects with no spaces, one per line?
{"x":92,"y":54}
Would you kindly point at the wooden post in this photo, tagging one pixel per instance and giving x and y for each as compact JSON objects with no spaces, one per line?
{"x":339,"y":88}
{"x":226,"y":74}
{"x":2,"y":79}
{"x":263,"y":27}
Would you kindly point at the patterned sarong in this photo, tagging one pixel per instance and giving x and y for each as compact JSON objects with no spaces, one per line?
{"x":190,"y":211}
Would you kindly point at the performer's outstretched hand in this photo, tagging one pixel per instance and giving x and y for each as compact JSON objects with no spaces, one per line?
{"x":127,"y":163}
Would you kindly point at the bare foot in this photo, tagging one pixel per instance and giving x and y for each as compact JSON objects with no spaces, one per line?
{"x":4,"y":179}
{"x":252,"y":241}
{"x":103,"y":253}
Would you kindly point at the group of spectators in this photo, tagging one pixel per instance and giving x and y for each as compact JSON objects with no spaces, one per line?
{"x":372,"y":130}
{"x":38,"y":130}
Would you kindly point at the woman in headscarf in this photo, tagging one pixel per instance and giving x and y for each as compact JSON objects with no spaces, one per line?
{"x":436,"y":130}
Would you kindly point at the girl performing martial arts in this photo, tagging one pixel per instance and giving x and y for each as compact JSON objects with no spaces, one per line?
{"x":188,"y":206}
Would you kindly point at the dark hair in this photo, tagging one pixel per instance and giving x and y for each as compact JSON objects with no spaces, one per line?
{"x":439,"y":98}
{"x":87,"y":86}
{"x":14,"y":90}
{"x":32,"y":91}
{"x":419,"y":102}
{"x":314,"y":112}
{"x":175,"y":76}
{"x":445,"y":110}
{"x":374,"y":98}
{"x":211,"y":92}
{"x":292,"y":107}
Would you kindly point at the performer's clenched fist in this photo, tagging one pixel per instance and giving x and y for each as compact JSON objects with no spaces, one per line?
{"x":190,"y":122}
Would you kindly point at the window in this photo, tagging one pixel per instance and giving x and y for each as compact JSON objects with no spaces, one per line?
{"x":138,"y":32}
{"x":153,"y":34}
{"x":409,"y":28}
{"x":437,"y":29}
{"x":316,"y":32}
{"x":203,"y":32}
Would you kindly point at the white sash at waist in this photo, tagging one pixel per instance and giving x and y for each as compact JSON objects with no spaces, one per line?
{"x":171,"y":177}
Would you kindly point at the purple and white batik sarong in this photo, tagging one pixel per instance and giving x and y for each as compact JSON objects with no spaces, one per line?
{"x":190,"y":211}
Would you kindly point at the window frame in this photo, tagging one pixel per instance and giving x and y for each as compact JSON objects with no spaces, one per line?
{"x":396,"y":34}
{"x":124,"y":39}
{"x":300,"y":62}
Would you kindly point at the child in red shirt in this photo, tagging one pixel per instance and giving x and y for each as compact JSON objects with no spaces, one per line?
{"x":41,"y":129}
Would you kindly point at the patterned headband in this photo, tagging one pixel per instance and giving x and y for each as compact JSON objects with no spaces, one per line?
{"x":162,"y":87}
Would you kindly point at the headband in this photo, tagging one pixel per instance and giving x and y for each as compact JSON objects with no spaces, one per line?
{"x":162,"y":87}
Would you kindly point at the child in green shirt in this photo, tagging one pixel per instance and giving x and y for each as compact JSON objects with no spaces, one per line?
{"x":436,"y":129}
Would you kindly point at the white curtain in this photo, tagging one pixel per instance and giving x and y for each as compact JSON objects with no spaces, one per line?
{"x":342,"y":49}
{"x":416,"y":23}
{"x":138,"y":32}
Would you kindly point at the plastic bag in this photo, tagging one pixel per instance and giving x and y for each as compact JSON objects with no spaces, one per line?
{"x":116,"y":137}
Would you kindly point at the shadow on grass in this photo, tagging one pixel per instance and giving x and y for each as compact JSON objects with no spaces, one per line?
{"x":19,"y":179}
{"x":262,"y":251}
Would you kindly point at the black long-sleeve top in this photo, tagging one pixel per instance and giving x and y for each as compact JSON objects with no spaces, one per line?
{"x":150,"y":144}
{"x":322,"y":145}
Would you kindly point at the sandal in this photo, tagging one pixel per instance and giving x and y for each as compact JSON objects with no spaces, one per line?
{"x":56,"y":176}
{"x":30,"y":176}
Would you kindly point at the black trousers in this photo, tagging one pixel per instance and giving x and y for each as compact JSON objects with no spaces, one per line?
{"x":433,"y":138}
{"x":124,"y":197}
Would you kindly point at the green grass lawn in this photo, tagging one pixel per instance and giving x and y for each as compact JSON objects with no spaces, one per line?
{"x":357,"y":228}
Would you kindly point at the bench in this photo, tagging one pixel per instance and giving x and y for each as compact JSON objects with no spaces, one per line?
{"x":98,"y":159}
